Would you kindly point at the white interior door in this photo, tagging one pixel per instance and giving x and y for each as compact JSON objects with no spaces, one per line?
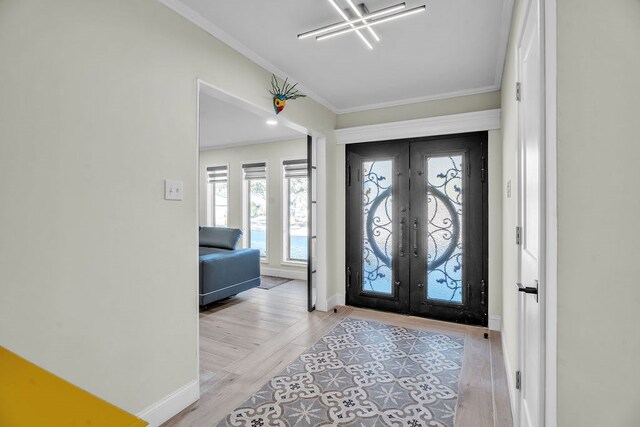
{"x":530,"y":72}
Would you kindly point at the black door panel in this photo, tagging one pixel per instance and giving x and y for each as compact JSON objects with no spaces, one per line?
{"x":417,"y":227}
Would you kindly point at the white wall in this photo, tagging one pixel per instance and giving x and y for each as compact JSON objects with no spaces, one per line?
{"x":273,"y":153}
{"x":98,"y":273}
{"x":598,"y":212}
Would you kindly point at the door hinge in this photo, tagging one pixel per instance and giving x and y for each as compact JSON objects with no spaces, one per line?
{"x":349,"y":175}
{"x":518,"y":381}
{"x":483,"y":170}
{"x":518,"y":235}
{"x":483,"y":286}
{"x":348,"y":277}
{"x":518,"y":91}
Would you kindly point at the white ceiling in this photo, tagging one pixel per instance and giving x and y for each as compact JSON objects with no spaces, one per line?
{"x":456,"y":47}
{"x":223,"y":124}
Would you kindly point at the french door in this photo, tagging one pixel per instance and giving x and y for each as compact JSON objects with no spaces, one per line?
{"x":417,"y":227}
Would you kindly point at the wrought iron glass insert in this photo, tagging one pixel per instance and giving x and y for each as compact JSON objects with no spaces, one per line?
{"x":444,"y":226}
{"x":377,"y":216}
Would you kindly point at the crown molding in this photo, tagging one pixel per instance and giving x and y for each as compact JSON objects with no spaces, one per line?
{"x":431,"y":126}
{"x":302,"y":137}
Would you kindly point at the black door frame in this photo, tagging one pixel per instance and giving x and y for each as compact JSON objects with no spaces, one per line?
{"x":474,"y":309}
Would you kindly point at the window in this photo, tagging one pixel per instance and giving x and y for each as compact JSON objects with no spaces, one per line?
{"x":217,"y":196}
{"x":296,"y":210}
{"x":255,"y":177}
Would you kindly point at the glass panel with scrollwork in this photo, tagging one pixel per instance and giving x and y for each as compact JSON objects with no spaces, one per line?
{"x":444,"y":228}
{"x":377,"y":217}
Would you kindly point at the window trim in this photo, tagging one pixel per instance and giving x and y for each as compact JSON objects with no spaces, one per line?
{"x":210,"y":195}
{"x":284,"y":187}
{"x":246,"y":220}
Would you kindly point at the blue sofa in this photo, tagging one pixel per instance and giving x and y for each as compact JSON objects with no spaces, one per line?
{"x":225,"y":270}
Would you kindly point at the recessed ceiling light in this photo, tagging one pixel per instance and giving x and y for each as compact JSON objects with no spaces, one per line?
{"x":272,"y":122}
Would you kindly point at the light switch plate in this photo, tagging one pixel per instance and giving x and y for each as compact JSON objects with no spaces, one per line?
{"x":172,"y":189}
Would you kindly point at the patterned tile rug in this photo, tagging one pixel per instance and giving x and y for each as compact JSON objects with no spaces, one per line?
{"x":362,"y":373}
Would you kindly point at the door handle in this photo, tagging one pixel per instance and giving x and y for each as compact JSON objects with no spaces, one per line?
{"x":415,"y":238}
{"x":528,"y":289}
{"x":402,"y":237}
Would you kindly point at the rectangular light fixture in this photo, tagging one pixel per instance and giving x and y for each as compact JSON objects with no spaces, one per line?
{"x":358,"y":13}
{"x":347,"y":23}
{"x":353,"y":27}
{"x":372,"y":23}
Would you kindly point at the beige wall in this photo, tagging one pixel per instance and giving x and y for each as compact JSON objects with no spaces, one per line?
{"x":97,"y":108}
{"x":598,"y":212}
{"x":273,"y":153}
{"x":419,"y":110}
{"x":598,"y":292}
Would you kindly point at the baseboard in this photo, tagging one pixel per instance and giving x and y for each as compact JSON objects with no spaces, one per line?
{"x":510,"y":378}
{"x":495,"y":322}
{"x":167,"y":407}
{"x":337,"y":299}
{"x":287,"y":274}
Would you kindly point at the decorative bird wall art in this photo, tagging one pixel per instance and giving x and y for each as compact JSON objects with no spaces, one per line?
{"x":282,"y":94}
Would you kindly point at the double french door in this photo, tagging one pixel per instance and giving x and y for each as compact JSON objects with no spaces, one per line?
{"x":417,"y":227}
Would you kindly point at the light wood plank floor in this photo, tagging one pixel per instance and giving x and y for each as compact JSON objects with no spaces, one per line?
{"x":248,"y":339}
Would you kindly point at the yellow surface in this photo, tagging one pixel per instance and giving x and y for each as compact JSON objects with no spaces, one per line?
{"x":31,"y":396}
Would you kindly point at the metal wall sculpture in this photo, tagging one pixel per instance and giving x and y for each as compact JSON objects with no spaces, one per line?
{"x":282,"y":94}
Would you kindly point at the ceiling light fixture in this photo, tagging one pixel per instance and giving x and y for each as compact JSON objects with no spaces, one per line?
{"x":373,"y":22}
{"x":357,"y":12}
{"x":340,"y":25}
{"x":353,"y":27}
{"x":364,"y":21}
{"x":272,"y":122}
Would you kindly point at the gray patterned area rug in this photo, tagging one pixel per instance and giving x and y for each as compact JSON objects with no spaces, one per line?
{"x":270,"y":282}
{"x":362,"y":373}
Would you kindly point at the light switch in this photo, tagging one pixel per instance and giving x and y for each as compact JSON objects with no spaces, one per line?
{"x":172,"y":189}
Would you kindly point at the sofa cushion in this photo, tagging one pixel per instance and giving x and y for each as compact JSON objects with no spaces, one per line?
{"x":224,"y":273}
{"x":204,"y":251}
{"x":220,"y":237}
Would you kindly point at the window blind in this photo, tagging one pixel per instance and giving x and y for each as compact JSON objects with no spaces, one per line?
{"x":217,"y":173}
{"x":254,"y":170}
{"x":295,"y":168}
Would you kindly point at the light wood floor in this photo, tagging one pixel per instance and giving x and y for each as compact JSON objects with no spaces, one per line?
{"x":249,"y":338}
